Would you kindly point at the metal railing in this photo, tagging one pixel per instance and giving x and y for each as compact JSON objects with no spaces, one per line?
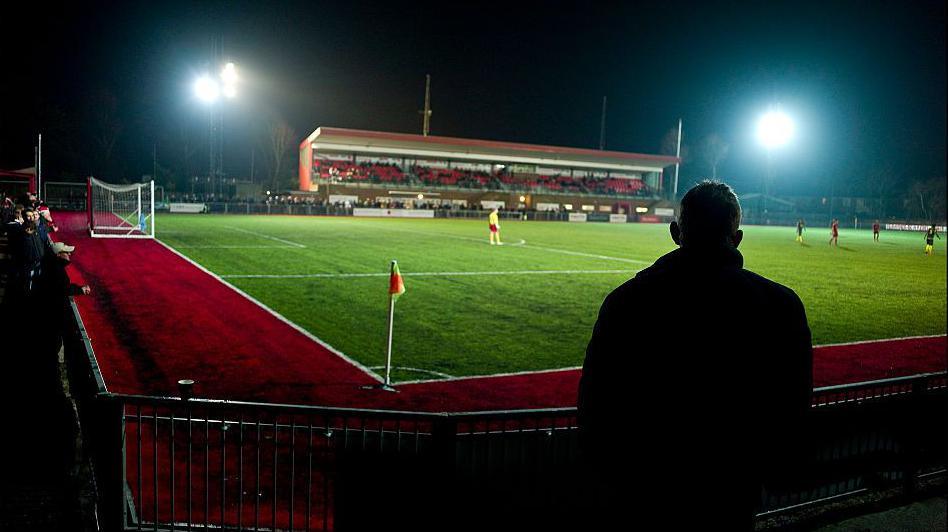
{"x":171,"y":463}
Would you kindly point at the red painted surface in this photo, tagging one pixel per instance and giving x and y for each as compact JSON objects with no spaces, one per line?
{"x":154,"y":318}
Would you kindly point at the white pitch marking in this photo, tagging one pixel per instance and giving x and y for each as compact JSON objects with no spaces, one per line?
{"x":417,"y":370}
{"x":261,"y":235}
{"x":521,"y":243}
{"x":422,"y":274}
{"x":211,"y":246}
{"x":278,"y":316}
{"x":492,"y":375}
{"x":592,"y":255}
{"x":446,"y":235}
{"x":882,"y":340}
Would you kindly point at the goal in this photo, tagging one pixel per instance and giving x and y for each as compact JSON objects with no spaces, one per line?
{"x":121,"y":211}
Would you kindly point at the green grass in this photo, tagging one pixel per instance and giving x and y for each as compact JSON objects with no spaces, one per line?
{"x":484,"y":324}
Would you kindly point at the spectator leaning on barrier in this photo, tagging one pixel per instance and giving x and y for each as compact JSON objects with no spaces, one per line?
{"x":696,"y":380}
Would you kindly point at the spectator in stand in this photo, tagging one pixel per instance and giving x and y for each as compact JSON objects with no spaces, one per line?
{"x":14,"y":222}
{"x":47,"y":217}
{"x":27,"y":251}
{"x":52,"y":294}
{"x":697,"y":380}
{"x":6,"y":209}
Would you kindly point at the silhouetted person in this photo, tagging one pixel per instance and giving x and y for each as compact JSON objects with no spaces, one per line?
{"x":696,"y":380}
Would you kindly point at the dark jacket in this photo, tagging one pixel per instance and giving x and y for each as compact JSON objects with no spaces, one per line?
{"x":54,"y":290}
{"x":696,"y":380}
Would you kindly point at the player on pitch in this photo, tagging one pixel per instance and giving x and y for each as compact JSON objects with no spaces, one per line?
{"x":834,"y":239}
{"x":801,"y":227}
{"x":493,"y":221}
{"x":875,"y":231}
{"x":930,"y":240}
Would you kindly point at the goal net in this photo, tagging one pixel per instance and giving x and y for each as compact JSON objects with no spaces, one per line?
{"x":121,"y":211}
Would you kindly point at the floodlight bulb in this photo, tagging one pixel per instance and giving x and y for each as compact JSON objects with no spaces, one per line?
{"x":774,"y":129}
{"x":229,"y":74}
{"x":523,"y":198}
{"x":421,"y":196}
{"x":230,"y":91}
{"x":206,"y":89}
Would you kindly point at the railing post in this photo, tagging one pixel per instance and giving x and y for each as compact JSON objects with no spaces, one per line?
{"x":111,"y":464}
{"x":444,"y":436}
{"x":911,"y":439}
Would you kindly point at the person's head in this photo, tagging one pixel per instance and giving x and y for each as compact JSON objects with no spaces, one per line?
{"x":18,"y":212}
{"x":710,"y":216}
{"x":63,"y":250}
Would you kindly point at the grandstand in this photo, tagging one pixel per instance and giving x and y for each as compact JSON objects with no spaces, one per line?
{"x":383,"y":168}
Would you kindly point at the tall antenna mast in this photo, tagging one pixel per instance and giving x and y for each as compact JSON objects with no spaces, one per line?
{"x":602,"y":126}
{"x":427,"y":112}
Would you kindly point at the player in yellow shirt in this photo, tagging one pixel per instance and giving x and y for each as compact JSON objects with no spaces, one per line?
{"x":930,"y":240}
{"x":493,"y":220}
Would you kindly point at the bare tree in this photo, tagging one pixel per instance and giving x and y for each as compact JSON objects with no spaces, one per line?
{"x":880,"y":184}
{"x":106,"y":129}
{"x":670,"y":143}
{"x":713,"y":151}
{"x":281,"y":140}
{"x":926,"y":198}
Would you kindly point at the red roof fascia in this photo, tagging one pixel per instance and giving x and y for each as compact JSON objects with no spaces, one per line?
{"x":474,"y":143}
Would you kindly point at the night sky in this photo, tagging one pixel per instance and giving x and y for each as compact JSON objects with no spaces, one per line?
{"x":864,"y":81}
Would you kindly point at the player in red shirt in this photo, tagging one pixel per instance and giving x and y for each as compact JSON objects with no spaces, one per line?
{"x":834,"y":240}
{"x":875,"y":231}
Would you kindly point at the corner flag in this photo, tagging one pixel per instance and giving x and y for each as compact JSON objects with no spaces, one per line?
{"x":396,"y":285}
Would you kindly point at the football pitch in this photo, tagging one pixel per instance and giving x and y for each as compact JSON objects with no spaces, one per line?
{"x":475,"y":309}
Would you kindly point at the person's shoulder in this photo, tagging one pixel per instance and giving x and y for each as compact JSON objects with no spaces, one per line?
{"x":643,"y":281}
{"x":772,"y":288}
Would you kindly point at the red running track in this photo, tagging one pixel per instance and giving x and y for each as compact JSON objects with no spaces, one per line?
{"x":154,"y":318}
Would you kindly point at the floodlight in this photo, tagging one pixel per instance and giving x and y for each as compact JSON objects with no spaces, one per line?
{"x":206,"y":89}
{"x":774,"y":129}
{"x":229,"y":74}
{"x":421,"y":196}
{"x":230,"y":91}
{"x":523,"y":198}
{"x":641,"y":210}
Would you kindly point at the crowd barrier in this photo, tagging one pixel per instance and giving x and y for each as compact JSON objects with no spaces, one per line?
{"x":184,"y":462}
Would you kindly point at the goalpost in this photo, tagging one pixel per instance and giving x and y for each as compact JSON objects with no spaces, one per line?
{"x":121,"y":211}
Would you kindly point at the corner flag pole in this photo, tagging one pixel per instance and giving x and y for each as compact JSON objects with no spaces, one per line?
{"x":396,"y":287}
{"x":388,"y":355}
